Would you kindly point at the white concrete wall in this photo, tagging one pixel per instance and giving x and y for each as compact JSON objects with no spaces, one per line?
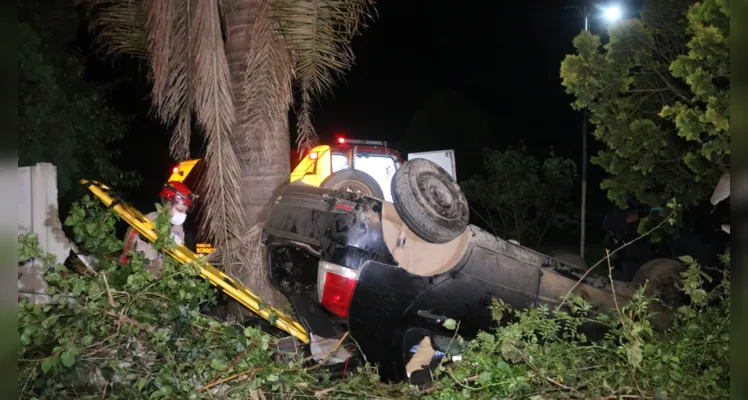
{"x":38,"y":212}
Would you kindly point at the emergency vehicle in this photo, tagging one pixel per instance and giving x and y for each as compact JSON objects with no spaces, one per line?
{"x":364,"y":166}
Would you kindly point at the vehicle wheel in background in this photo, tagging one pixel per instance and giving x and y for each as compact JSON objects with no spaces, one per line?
{"x":568,"y":257}
{"x":429,"y":201}
{"x":662,"y":277}
{"x":354,"y":181}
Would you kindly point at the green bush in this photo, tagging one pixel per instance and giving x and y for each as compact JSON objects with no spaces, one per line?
{"x":121,"y":334}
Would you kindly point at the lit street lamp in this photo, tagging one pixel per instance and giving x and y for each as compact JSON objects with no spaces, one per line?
{"x":611,"y":14}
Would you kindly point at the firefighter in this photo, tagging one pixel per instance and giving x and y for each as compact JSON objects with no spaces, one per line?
{"x":177,"y":197}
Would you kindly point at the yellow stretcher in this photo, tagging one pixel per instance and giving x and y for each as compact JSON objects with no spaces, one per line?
{"x":236,"y":290}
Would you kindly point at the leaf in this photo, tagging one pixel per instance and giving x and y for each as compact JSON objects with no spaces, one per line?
{"x":50,"y":321}
{"x":511,"y":353}
{"x":79,"y":286}
{"x":450,"y":324}
{"x":502,"y":366}
{"x":688,"y":260}
{"x":485,"y":378}
{"x":675,"y":375}
{"x":68,"y":357}
{"x":218,"y":365}
{"x":48,"y":363}
{"x":660,"y":395}
{"x":141,"y":384}
{"x":229,"y":332}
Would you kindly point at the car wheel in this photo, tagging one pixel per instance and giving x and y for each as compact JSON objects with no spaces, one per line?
{"x":429,"y":201}
{"x":567,"y":257}
{"x":355,"y":181}
{"x":662,"y":277}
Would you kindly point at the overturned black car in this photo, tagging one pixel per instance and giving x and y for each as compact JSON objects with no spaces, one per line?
{"x":391,"y":274}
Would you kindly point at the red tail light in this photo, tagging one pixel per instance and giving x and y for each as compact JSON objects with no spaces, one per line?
{"x":335,"y":286}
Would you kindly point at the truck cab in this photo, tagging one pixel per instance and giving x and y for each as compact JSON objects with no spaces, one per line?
{"x":373,"y":158}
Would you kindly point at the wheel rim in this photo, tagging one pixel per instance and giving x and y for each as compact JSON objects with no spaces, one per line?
{"x":439,"y":196}
{"x":355,"y":187}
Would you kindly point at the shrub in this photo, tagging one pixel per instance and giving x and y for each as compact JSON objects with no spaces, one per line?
{"x":119,"y":333}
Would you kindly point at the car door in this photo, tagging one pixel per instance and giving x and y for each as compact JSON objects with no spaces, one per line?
{"x":468,"y":293}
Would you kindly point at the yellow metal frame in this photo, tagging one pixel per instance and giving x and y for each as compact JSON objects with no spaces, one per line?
{"x":314,"y":172}
{"x":311,"y":172}
{"x":236,"y":290}
{"x":185,"y":167}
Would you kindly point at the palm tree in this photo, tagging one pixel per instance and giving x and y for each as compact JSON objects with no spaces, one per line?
{"x":228,"y":68}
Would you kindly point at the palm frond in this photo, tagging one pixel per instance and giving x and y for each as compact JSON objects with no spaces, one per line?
{"x":168,"y":24}
{"x":319,"y":34}
{"x":266,"y":90}
{"x":179,"y":144}
{"x":118,"y":26}
{"x":214,"y":109}
{"x":159,"y":17}
{"x":306,"y":137}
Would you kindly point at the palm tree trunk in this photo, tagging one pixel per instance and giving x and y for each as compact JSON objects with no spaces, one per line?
{"x":263,"y":171}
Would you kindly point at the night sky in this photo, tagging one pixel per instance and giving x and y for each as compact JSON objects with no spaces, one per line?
{"x":433,"y":75}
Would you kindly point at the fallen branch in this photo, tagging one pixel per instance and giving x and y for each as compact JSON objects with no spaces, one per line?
{"x":123,"y":319}
{"x":537,"y":371}
{"x":230,"y":378}
{"x":623,"y":396}
{"x":329,"y":353}
{"x":236,"y":360}
{"x":321,"y":394}
{"x":613,"y":287}
{"x":108,"y":291}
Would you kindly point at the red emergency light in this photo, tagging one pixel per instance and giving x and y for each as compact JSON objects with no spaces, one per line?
{"x":313,"y":155}
{"x":175,"y":170}
{"x":341,"y":140}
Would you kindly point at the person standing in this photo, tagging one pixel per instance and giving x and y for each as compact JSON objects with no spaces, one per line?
{"x":178,"y":198}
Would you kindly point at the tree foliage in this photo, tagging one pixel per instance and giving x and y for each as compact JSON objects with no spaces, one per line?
{"x":521,"y":195}
{"x":63,"y":119}
{"x":543,"y":355}
{"x":116,"y":332}
{"x":658,"y":94}
{"x":231,"y":66}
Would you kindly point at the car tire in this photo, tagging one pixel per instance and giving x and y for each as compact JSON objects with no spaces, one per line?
{"x":570,"y":258}
{"x":354,"y":180}
{"x":662,"y":276}
{"x":429,"y":201}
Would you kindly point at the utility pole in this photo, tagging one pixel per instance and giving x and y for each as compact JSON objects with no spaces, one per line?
{"x":583,"y":213}
{"x":611,"y":13}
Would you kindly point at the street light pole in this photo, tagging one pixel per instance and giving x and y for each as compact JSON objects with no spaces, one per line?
{"x":583,"y":216}
{"x":612,"y":13}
